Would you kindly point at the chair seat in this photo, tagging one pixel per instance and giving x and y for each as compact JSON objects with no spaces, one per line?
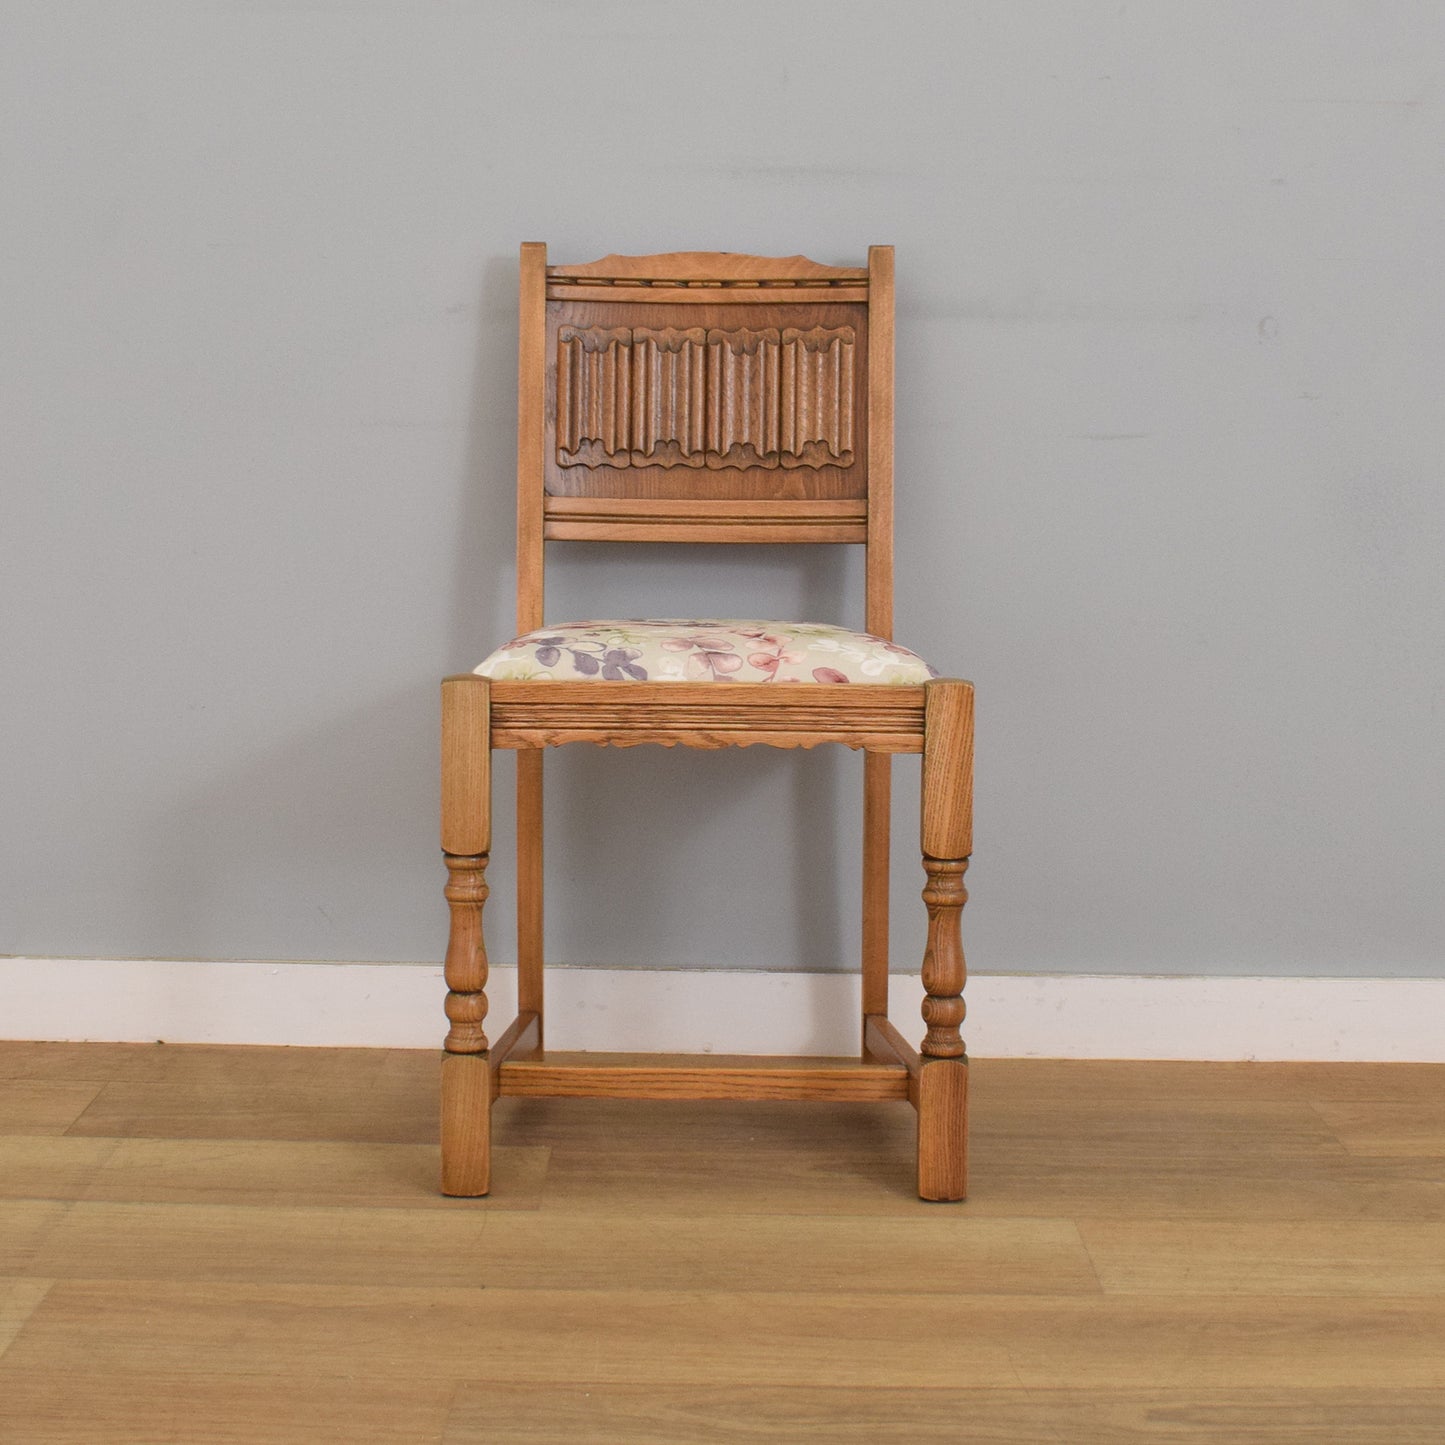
{"x":692,"y":650}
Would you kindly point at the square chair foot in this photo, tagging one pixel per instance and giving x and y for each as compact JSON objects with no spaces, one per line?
{"x":943,"y":1129}
{"x":466,"y":1124}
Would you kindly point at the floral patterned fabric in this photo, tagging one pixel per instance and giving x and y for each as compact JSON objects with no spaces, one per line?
{"x":679,"y":650}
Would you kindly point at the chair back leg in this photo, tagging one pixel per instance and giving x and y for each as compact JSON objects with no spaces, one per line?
{"x":529,"y":884}
{"x":877,"y":794}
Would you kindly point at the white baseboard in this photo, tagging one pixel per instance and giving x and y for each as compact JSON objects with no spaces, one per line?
{"x":393,"y":1005}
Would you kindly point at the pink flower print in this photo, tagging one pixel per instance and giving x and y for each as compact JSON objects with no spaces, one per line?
{"x":706,"y":664}
{"x":770,"y":662}
{"x":713,"y":658}
{"x":911,"y":656}
{"x":828,"y":674}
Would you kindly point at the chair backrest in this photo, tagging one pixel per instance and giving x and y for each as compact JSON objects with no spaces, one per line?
{"x":706,"y":397}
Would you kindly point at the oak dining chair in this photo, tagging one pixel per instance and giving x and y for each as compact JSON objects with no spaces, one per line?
{"x":706,"y":397}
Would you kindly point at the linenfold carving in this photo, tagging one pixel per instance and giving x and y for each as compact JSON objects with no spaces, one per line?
{"x":705,"y":397}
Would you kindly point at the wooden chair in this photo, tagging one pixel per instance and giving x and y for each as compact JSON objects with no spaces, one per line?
{"x":705,"y":397}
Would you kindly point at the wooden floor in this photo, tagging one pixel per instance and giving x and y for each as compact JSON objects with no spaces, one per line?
{"x":245,"y":1245}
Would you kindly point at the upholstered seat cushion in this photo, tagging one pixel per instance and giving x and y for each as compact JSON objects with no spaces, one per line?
{"x":685,"y":650}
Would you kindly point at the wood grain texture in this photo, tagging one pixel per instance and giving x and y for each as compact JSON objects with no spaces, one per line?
{"x":49,"y":1166}
{"x":467,"y":1090}
{"x":1401,"y":1130}
{"x":19,"y":1299}
{"x":883,"y":1041}
{"x":190,"y":1065}
{"x":311,"y":1108}
{"x":134,"y":1404}
{"x":715,"y":266}
{"x":1171,"y":1252}
{"x":522,"y":1036}
{"x":941,"y":1090}
{"x":536,"y":714}
{"x":530,"y":944}
{"x":1294,"y":1257}
{"x":706,"y":519}
{"x":714,"y":1076}
{"x":925,"y":1252}
{"x":466,"y":958}
{"x":314,"y":1173}
{"x":664,"y":295}
{"x":943,"y":961}
{"x":531,"y":431}
{"x":466,"y":765}
{"x":275,"y":1244}
{"x":713,"y":397}
{"x":24,"y":1224}
{"x":752,"y":395}
{"x":948,"y":769}
{"x":782,"y":511}
{"x":879,"y":567}
{"x":703,"y":1415}
{"x":877,"y":825}
{"x":43,"y":1106}
{"x":672,"y":1337}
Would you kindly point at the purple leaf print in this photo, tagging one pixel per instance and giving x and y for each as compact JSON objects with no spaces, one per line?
{"x":586,"y":664}
{"x":617,"y":660}
{"x":828,"y":674}
{"x":547,"y":655}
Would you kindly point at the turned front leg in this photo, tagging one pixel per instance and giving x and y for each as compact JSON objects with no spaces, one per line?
{"x":466,"y":1088}
{"x":943,"y":966}
{"x":466,"y":962}
{"x":947,"y":842}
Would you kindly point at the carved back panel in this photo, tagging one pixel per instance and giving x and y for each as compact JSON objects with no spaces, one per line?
{"x":723,"y":401}
{"x":705,"y":396}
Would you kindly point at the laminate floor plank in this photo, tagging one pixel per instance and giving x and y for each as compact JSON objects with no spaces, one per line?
{"x":1010,"y":1082}
{"x":1294,"y":1257}
{"x":245,"y":1243}
{"x":24,"y":1223}
{"x":140,"y":1406}
{"x":49,"y":1166}
{"x":1376,"y":1083}
{"x":19,"y":1299}
{"x":214,"y":1109}
{"x":493,"y":1248}
{"x":1389,"y":1130}
{"x":289,"y":1174}
{"x":242,"y":1245}
{"x":336,"y":1332}
{"x":43,"y":1106}
{"x":685,"y":1181}
{"x":931,"y":1252}
{"x":649,"y":1415}
{"x":193,"y":1064}
{"x":695,"y":1338}
{"x":94,"y":1063}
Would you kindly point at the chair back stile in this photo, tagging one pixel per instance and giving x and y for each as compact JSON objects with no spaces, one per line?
{"x":705,"y":397}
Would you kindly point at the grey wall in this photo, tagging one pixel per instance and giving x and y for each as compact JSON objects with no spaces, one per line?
{"x":1169,"y":444}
